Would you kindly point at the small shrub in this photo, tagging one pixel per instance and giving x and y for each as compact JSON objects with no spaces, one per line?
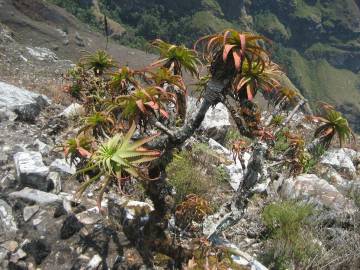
{"x":281,"y":142}
{"x":355,"y":196}
{"x":185,"y":177}
{"x":277,"y":120}
{"x":313,"y":159}
{"x":231,"y":135}
{"x":193,"y":208}
{"x":222,"y":175}
{"x":290,"y":241}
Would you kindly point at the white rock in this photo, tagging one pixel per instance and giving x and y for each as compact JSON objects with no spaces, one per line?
{"x":340,"y":159}
{"x":262,"y":187}
{"x":90,"y":216}
{"x":67,"y":205}
{"x":136,"y":208}
{"x":55,"y":178}
{"x":42,"y":54}
{"x":242,"y":258}
{"x":10,"y":245}
{"x":131,"y":207}
{"x":43,"y":148}
{"x":63,"y":167}
{"x":7,"y":115}
{"x":31,"y":170}
{"x":216,"y":121}
{"x":61,"y":32}
{"x":30,"y":211}
{"x":8,"y":227}
{"x":18,"y":255}
{"x":312,"y":189}
{"x":217,"y":147}
{"x":94,"y":262}
{"x":3,"y":255}
{"x":37,"y":221}
{"x":13,"y":98}
{"x":37,"y":196}
{"x":73,"y":110}
{"x":235,"y":170}
{"x":334,"y":178}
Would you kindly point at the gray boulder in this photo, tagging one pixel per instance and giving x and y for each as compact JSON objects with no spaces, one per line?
{"x":63,"y":167}
{"x":312,"y":189}
{"x":37,"y":196}
{"x":334,"y":178}
{"x":94,"y":262}
{"x":90,"y":216}
{"x":73,"y":110}
{"x":234,"y":169}
{"x":216,"y":122}
{"x":31,"y":170}
{"x":55,"y":182}
{"x":8,"y":227}
{"x":27,"y":105}
{"x":42,"y":147}
{"x":342,"y":160}
{"x":30,"y":211}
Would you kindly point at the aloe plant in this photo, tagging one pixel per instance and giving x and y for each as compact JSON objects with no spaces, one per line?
{"x":142,"y":101}
{"x":98,"y":61}
{"x":163,"y":75}
{"x":333,"y":123}
{"x":100,"y":123}
{"x":176,"y":58}
{"x":255,"y":77}
{"x":242,"y":59}
{"x":124,"y":77}
{"x":78,"y":148}
{"x":116,"y":159}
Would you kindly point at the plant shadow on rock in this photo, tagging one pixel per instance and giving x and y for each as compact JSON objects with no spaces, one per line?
{"x":38,"y":249}
{"x":104,"y":241}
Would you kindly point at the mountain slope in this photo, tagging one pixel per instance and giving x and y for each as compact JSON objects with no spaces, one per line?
{"x":37,"y":23}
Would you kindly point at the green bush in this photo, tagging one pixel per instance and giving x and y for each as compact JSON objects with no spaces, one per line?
{"x":221,"y":175}
{"x":185,"y":177}
{"x":196,"y":172}
{"x":313,"y":159}
{"x":290,"y":239}
{"x":281,"y":142}
{"x":277,"y":120}
{"x":232,"y":135}
{"x":79,"y":9}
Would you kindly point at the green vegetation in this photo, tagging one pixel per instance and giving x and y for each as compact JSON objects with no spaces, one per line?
{"x":118,"y":157}
{"x":232,"y":135}
{"x":318,"y":79}
{"x":185,"y":177}
{"x":80,"y":9}
{"x":99,"y":62}
{"x":277,"y":120}
{"x":270,"y":25}
{"x":290,"y":240}
{"x":333,"y":123}
{"x":188,"y":176}
{"x":281,"y":141}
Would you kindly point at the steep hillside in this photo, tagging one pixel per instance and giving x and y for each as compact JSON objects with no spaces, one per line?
{"x":39,"y":24}
{"x":316,"y":41}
